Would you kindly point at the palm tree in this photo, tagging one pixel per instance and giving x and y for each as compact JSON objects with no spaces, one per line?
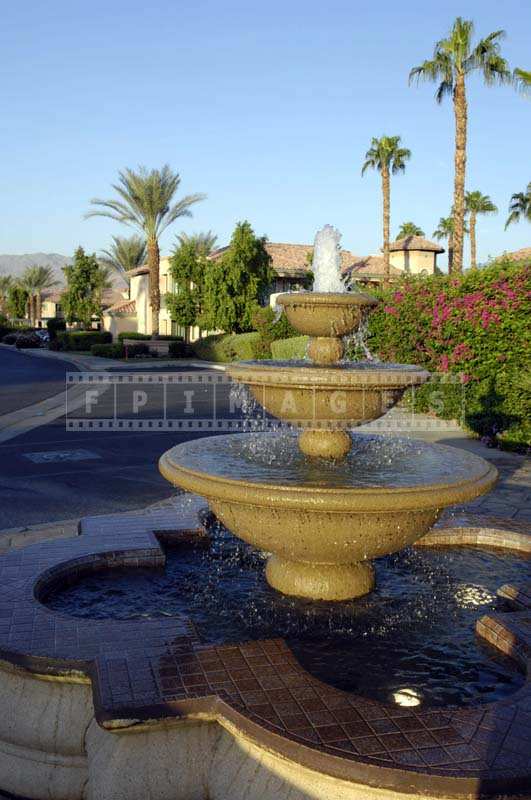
{"x":409,"y":229}
{"x":454,"y":59}
{"x":520,"y":206}
{"x":204,"y":241}
{"x":477,"y":203}
{"x":35,"y":280}
{"x":386,"y":156}
{"x":124,"y":254}
{"x":522,"y":80}
{"x":145,"y":202}
{"x":445,"y":230}
{"x":6,"y":281}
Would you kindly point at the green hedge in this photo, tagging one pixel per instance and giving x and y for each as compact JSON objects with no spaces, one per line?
{"x":115,"y":350}
{"x":133,"y":335}
{"x":286,"y":349}
{"x":225,"y":347}
{"x":473,"y":328}
{"x":82,"y":340}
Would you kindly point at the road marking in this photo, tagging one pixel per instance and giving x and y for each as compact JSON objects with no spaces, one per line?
{"x":52,"y":456}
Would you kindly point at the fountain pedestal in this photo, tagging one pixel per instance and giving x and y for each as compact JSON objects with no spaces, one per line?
{"x":323,"y":581}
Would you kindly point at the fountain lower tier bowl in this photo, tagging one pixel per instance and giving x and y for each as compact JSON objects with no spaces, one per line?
{"x":322,"y":399}
{"x":323,"y":521}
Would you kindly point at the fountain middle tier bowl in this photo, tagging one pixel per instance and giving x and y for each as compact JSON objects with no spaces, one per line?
{"x":323,"y":521}
{"x":350,"y":393}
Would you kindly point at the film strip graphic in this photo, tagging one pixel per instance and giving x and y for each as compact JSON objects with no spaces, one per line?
{"x":212,"y":402}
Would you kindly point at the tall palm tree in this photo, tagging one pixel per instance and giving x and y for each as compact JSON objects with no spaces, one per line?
{"x":386,"y":156}
{"x":145,"y":201}
{"x":477,"y":203}
{"x":409,"y":229}
{"x":520,"y":206}
{"x":124,"y":254}
{"x":6,"y":281}
{"x":522,"y":80}
{"x":454,"y":59}
{"x":445,"y":230}
{"x":204,"y":241}
{"x":35,"y":280}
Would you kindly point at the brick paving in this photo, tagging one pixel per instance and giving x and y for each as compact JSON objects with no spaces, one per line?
{"x":156,"y":669}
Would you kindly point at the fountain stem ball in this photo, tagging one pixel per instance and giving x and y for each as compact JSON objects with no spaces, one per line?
{"x":333,"y":444}
{"x":320,"y":581}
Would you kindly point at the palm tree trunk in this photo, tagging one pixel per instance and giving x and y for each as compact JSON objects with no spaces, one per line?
{"x":460,"y":110}
{"x":153,"y":260}
{"x":38,"y":307}
{"x":450,"y":254}
{"x":473,"y":260}
{"x":386,"y":191}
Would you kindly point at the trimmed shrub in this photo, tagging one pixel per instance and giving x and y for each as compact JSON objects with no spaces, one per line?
{"x":10,"y":338}
{"x":226,"y":347}
{"x":115,"y":350}
{"x":83,"y":340}
{"x":133,"y":335}
{"x":473,"y":327}
{"x":55,"y":325}
{"x":287,"y":349}
{"x":176,"y":349}
{"x":134,"y":350}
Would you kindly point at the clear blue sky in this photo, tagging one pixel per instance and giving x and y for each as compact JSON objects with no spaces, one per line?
{"x":267,"y":107}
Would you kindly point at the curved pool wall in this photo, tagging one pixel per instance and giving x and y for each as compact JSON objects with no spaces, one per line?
{"x":112,"y":709}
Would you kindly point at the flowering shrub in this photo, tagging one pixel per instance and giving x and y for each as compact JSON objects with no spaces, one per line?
{"x":474,"y":326}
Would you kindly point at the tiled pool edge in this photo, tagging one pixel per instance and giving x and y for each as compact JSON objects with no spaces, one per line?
{"x":178,"y":672}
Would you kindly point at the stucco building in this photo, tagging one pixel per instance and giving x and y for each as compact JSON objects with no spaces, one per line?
{"x":414,"y":255}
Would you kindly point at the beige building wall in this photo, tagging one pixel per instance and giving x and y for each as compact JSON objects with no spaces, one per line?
{"x":414,"y":261}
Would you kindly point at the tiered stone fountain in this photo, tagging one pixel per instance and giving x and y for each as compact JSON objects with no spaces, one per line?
{"x":324,"y":513}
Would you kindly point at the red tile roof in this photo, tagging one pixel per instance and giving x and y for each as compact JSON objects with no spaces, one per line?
{"x":416,"y":243}
{"x":291,"y":260}
{"x":122,"y":307}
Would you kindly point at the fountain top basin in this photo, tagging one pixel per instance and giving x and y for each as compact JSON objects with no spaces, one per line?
{"x":325,"y":314}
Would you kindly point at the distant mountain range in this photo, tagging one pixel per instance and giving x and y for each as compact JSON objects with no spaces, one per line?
{"x":15,"y":265}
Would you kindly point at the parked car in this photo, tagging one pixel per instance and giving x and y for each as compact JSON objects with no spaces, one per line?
{"x":43,"y":335}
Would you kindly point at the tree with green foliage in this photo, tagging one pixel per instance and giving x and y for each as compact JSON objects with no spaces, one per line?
{"x":477,"y":203}
{"x":204,"y":241}
{"x":445,"y":230}
{"x":17,"y":301}
{"x":85,"y":282}
{"x":36,"y":280}
{"x":187,"y":267}
{"x":409,"y":229}
{"x":520,"y":207}
{"x":6,"y":281}
{"x":124,"y":254}
{"x":145,"y":201}
{"x":522,"y":80}
{"x":387,"y":157}
{"x":454,"y":59}
{"x":236,"y":283}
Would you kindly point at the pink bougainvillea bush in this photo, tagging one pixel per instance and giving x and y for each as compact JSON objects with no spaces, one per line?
{"x":474,"y":329}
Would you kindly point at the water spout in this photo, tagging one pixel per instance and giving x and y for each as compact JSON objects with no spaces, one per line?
{"x":326,"y":264}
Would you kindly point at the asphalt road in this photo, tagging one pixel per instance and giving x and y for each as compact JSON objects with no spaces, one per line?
{"x":52,"y":473}
{"x":26,"y":379}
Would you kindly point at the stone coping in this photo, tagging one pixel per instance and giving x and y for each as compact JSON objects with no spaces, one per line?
{"x":149,"y":672}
